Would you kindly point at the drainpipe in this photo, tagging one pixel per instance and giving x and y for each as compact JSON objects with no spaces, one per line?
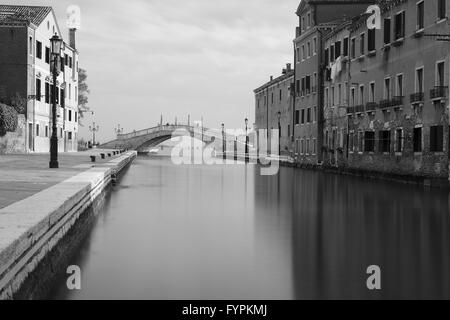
{"x":294,"y":95}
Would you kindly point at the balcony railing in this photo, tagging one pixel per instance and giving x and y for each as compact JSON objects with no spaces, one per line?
{"x":392,"y":102}
{"x":359,"y":108}
{"x":350,"y":110}
{"x":417,"y":97}
{"x":371,"y":106}
{"x":438,"y":92}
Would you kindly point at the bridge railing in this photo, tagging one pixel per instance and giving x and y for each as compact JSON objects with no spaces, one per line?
{"x":144,"y":132}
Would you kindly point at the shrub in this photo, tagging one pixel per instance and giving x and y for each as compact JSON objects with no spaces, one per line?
{"x":8,"y":119}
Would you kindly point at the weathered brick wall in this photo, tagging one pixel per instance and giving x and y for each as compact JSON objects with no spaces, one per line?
{"x":14,"y":142}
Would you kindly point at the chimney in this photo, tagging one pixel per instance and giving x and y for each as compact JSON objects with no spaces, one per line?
{"x":271,"y":78}
{"x":288,"y":67}
{"x":72,"y":38}
{"x":283,"y":71}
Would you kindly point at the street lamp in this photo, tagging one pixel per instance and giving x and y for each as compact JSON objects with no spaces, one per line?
{"x":118,"y":130}
{"x":246,"y":140}
{"x":279,"y":133}
{"x":93,"y":129}
{"x":224,"y":143}
{"x":56,"y":45}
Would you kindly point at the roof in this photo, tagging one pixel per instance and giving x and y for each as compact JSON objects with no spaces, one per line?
{"x":304,"y":3}
{"x":28,"y":14}
{"x":285,"y":76}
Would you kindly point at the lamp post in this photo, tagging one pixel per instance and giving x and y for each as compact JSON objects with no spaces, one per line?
{"x":279,"y":133}
{"x":56,"y":44}
{"x":93,"y":129}
{"x":246,"y":140}
{"x":118,"y":130}
{"x":224,"y":143}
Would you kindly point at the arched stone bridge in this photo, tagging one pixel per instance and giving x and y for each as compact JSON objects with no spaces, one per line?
{"x":147,"y":139}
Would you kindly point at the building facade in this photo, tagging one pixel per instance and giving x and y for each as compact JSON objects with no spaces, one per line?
{"x":397,"y":79}
{"x":316,"y":18}
{"x":381,"y":94}
{"x":25,"y":33}
{"x":273,"y":107}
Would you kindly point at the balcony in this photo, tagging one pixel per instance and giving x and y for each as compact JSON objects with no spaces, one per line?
{"x":438,"y":92}
{"x":392,"y":102}
{"x":417,"y":97}
{"x":359,"y":108}
{"x":350,"y":110}
{"x":371,"y":106}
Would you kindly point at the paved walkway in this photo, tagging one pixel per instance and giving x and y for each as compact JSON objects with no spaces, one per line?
{"x":22,"y":176}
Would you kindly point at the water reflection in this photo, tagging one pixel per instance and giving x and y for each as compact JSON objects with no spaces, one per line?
{"x":226,"y":232}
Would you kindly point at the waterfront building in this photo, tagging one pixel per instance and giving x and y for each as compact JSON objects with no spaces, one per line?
{"x":274,"y":105}
{"x":316,"y":18}
{"x":25,"y":33}
{"x":397,"y":80}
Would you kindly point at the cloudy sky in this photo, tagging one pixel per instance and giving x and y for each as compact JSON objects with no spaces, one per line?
{"x":145,"y":58}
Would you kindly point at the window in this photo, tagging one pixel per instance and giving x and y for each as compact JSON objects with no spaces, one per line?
{"x":440,"y":76}
{"x":70,"y":115}
{"x":309,"y":49}
{"x":47,"y":55}
{"x":442,"y":10}
{"x":399,"y":140}
{"x":309,"y":20}
{"x":333,"y":96}
{"x":437,"y":139}
{"x":281,"y":93}
{"x":46,"y":131}
{"x":298,"y":54}
{"x":337,"y":49}
{"x":37,"y":130}
{"x":70,"y":62}
{"x":271,"y":96}
{"x":400,"y":85}
{"x":303,"y":53}
{"x":339,"y":94}
{"x":314,"y":46}
{"x":47,"y":92}
{"x":362,"y":43}
{"x":30,"y":45}
{"x":361,"y":95}
{"x":66,"y":60}
{"x":385,"y":141}
{"x":353,"y":48}
{"x":352,"y":92}
{"x":70,"y":91}
{"x":327,"y":97}
{"x":38,"y":49}
{"x":303,"y":23}
{"x":303,"y":116}
{"x":327,"y":56}
{"x":308,"y":84}
{"x":387,"y":88}
{"x":419,"y":80}
{"x":315,"y":114}
{"x":346,"y":47}
{"x":308,"y":115}
{"x":369,"y":141}
{"x":371,"y":40}
{"x":314,"y":142}
{"x":387,"y":30}
{"x":372,"y":92}
{"x":417,"y":137}
{"x":420,"y":16}
{"x":332,"y":53}
{"x":69,"y":135}
{"x":38,"y":89}
{"x":400,"y":25}
{"x":297,"y":117}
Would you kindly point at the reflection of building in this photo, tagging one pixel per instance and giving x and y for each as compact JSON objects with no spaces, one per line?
{"x":369,"y":99}
{"x":25,"y":33}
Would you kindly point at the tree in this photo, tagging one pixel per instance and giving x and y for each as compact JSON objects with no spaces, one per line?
{"x":83,"y":92}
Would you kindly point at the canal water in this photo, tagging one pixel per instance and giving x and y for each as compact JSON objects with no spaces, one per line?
{"x":227,"y":232}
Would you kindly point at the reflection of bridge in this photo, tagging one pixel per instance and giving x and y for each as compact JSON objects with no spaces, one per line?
{"x":147,"y":139}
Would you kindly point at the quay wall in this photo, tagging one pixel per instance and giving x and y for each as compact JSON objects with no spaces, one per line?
{"x":40,"y":233}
